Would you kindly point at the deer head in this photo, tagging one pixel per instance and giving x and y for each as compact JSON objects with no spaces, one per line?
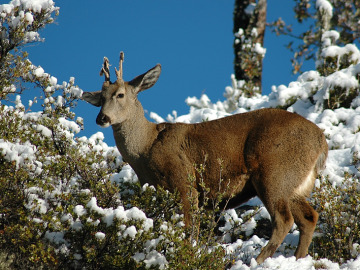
{"x":118,"y":100}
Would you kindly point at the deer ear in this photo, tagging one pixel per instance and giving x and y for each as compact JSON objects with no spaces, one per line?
{"x":146,"y":80}
{"x":93,"y":98}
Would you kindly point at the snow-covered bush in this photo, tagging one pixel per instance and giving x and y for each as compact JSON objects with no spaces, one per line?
{"x":20,"y":21}
{"x":44,"y":172}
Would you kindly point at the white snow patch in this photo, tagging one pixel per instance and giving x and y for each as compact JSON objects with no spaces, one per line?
{"x":131,"y":232}
{"x":324,"y":6}
{"x":100,"y":235}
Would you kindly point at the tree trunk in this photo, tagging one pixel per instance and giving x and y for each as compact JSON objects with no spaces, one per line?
{"x":247,"y":16}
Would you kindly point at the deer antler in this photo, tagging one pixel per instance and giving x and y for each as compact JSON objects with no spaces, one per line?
{"x":105,"y":69}
{"x":119,"y":73}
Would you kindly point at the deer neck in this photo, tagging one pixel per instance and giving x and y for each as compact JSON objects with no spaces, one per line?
{"x":134,"y":137}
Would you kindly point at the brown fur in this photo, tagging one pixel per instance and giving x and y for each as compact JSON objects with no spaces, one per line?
{"x":269,"y":153}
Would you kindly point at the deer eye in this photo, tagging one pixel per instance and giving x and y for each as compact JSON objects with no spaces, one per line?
{"x":120,"y":95}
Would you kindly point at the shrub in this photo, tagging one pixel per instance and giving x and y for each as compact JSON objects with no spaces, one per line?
{"x":338,"y":230}
{"x":68,"y":202}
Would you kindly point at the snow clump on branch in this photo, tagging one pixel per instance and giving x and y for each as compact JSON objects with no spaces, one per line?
{"x":19,"y":14}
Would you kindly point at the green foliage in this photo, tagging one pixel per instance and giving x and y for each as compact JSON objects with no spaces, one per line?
{"x":338,"y":230}
{"x":340,"y":97}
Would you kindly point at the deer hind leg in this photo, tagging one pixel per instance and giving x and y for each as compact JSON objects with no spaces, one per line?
{"x":282,"y":221}
{"x":305,"y":218}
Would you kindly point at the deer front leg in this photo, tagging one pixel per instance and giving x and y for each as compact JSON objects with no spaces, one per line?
{"x":189,"y":198}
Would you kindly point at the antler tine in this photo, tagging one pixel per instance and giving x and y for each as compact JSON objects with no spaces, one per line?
{"x":119,"y":73}
{"x":105,"y":69}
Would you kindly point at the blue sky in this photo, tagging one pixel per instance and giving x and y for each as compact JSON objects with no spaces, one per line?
{"x":192,"y":40}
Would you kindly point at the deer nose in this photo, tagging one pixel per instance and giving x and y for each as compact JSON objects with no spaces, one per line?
{"x":102,"y":119}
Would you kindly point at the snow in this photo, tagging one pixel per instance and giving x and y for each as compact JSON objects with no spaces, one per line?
{"x":44,"y":130}
{"x":109,"y":214}
{"x":239,"y":33}
{"x":79,"y":210}
{"x":29,"y":18}
{"x":76,"y":92}
{"x":6,"y":8}
{"x":125,"y":175}
{"x":34,"y":5}
{"x":324,"y":6}
{"x":338,"y":163}
{"x":69,"y":125}
{"x":32,"y":36}
{"x":39,"y":72}
{"x":155,"y":258}
{"x":23,"y":154}
{"x":53,"y":81}
{"x":131,"y":232}
{"x":332,"y":34}
{"x":329,"y":38}
{"x":100,"y":235}
{"x":259,"y":49}
{"x":56,"y":237}
{"x":349,"y":49}
{"x":92,"y":205}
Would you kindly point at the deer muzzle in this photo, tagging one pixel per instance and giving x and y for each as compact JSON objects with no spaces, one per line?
{"x":102,"y":120}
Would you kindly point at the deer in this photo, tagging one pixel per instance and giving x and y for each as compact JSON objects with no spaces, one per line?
{"x":270,"y":153}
